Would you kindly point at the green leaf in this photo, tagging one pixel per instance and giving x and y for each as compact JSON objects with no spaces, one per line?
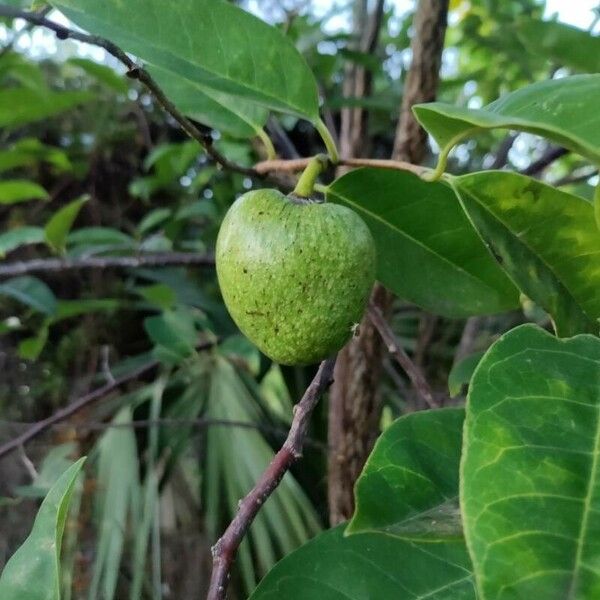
{"x":461,"y":373}
{"x":99,"y":236}
{"x":544,"y":238}
{"x":209,"y":42}
{"x":564,"y":110}
{"x":30,"y":348}
{"x":58,"y":226}
{"x":174,"y":332}
{"x":20,"y":236}
{"x":116,"y":498}
{"x":33,"y":572}
{"x":530,"y":471}
{"x":20,"y":106}
{"x":20,"y":190}
{"x":563,"y":44}
{"x":409,"y":485}
{"x":101,"y":73}
{"x":27,"y":152}
{"x":30,"y":291}
{"x":370,"y":565}
{"x":224,"y":112}
{"x":67,"y":309}
{"x":427,"y":250}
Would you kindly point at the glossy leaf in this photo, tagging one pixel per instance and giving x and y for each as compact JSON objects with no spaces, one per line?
{"x":544,"y":238}
{"x":564,"y":110}
{"x":19,"y":106}
{"x":30,"y":291}
{"x":33,"y":572}
{"x":563,"y":44}
{"x":224,"y":112}
{"x":210,"y":42}
{"x":371,"y":566}
{"x":409,"y":485}
{"x":59,"y":225}
{"x":13,"y":191}
{"x":427,"y":250}
{"x":20,"y":236}
{"x":530,"y":471}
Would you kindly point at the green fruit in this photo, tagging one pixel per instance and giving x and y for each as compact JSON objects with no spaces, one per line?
{"x":295,"y":274}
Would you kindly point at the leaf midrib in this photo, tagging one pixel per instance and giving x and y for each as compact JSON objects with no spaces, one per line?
{"x":429,"y":250}
{"x":165,"y":51}
{"x":523,"y":242}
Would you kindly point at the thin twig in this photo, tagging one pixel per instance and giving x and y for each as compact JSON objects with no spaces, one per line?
{"x":134,"y":72}
{"x":268,"y":166}
{"x":397,"y":351}
{"x":225,"y":550}
{"x":105,"y":262}
{"x":553,"y":153}
{"x":63,"y":414}
{"x":201,"y":423}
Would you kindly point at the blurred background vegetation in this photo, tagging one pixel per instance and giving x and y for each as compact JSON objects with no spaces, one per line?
{"x":90,"y":166}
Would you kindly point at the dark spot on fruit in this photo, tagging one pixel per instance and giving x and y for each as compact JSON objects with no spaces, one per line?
{"x":245,"y":270}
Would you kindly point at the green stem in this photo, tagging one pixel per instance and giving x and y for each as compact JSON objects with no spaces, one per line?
{"x":268,"y":144}
{"x":443,"y":157}
{"x":328,"y":140}
{"x":306,"y":183}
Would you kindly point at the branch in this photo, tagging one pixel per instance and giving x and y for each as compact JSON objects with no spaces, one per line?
{"x":134,"y":72}
{"x":74,"y":407}
{"x":47,"y":265}
{"x":225,"y":550}
{"x":195,"y":423}
{"x":395,"y":348}
{"x":553,"y":153}
{"x":299,"y":164}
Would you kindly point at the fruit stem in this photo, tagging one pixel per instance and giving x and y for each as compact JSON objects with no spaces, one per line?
{"x":305,"y":186}
{"x":328,"y":140}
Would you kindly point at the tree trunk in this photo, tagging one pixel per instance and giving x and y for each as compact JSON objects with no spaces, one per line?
{"x":355,"y":407}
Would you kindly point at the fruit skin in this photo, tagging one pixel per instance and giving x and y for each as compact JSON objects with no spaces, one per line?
{"x":295,"y":274}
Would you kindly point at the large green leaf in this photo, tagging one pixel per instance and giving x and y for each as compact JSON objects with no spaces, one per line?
{"x":427,"y":251}
{"x":30,"y":291}
{"x":409,"y":485}
{"x":370,"y":566}
{"x":33,"y":572}
{"x":221,"y":111}
{"x":546,"y":240}
{"x":565,"y":45}
{"x":530,"y":472}
{"x":210,"y":42}
{"x":19,"y":106}
{"x":564,"y":110}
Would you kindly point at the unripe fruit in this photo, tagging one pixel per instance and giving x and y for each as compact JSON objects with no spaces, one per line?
{"x":295,"y":274}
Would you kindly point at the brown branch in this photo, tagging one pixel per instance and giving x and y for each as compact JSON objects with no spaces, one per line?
{"x":225,"y":550}
{"x":134,"y":72}
{"x":47,"y":265}
{"x":298,"y":164}
{"x":63,"y":414}
{"x":194,"y":423}
{"x":397,"y":351}
{"x":553,"y":153}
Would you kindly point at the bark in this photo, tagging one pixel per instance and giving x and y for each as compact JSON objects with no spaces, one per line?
{"x":355,"y":405}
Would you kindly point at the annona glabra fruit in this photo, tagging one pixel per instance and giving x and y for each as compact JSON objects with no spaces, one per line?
{"x":295,"y":274}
